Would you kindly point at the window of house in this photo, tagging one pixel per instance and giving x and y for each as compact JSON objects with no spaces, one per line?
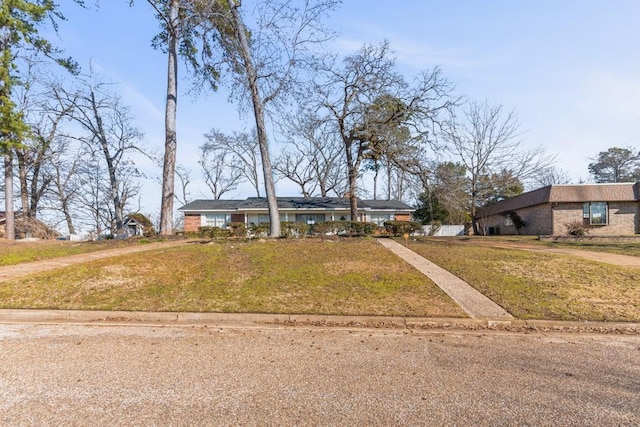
{"x":597,"y":213}
{"x":380,"y":218}
{"x":262,"y":218}
{"x":216,"y":220}
{"x":310,"y":218}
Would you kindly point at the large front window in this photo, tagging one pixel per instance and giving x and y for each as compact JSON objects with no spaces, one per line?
{"x":216,"y":220}
{"x":310,"y":218}
{"x":380,"y":218}
{"x":596,"y":213}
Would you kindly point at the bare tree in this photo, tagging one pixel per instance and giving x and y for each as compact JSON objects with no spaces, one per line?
{"x":108,"y":126}
{"x":265,"y":60}
{"x":241,"y":153}
{"x":350,"y":97}
{"x":312,"y":156}
{"x":45,"y":121}
{"x":184,"y":176}
{"x":486,"y":141}
{"x":65,"y":176}
{"x":551,"y":176}
{"x":220,"y":173}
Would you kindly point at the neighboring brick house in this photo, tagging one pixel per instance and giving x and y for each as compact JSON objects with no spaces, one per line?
{"x":607,"y":209}
{"x":219,"y":213}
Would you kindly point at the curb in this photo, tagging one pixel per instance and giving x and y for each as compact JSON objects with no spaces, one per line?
{"x":257,"y":320}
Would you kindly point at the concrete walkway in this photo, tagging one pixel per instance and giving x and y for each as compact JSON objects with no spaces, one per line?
{"x":472,"y":302}
{"x":18,"y":270}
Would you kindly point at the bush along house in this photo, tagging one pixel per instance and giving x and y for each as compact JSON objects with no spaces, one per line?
{"x":601,"y":209}
{"x":308,"y":210}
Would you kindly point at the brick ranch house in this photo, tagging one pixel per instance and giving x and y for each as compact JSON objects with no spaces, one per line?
{"x":607,"y":209}
{"x":310,"y":210}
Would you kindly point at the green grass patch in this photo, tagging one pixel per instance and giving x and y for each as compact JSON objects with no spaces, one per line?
{"x":532,"y":285}
{"x":307,"y":276}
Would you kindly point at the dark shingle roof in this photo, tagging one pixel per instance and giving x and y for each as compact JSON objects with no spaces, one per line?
{"x":573,"y":193}
{"x":301,"y":203}
{"x":211,"y":205}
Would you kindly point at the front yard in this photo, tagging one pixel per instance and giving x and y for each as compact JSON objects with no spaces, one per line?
{"x":532,"y":285}
{"x":309,"y":276}
{"x":312,"y":276}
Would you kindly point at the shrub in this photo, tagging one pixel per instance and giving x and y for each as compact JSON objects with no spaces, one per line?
{"x":344,"y":228}
{"x":237,"y":229}
{"x":576,"y":228}
{"x":325,"y":227}
{"x":259,"y":230}
{"x":517,"y":221}
{"x":214,"y":232}
{"x":294,"y":229}
{"x":398,"y":228}
{"x":435,"y":226}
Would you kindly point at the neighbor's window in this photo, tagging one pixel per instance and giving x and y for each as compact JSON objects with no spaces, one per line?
{"x":595,"y":212}
{"x":216,"y":220}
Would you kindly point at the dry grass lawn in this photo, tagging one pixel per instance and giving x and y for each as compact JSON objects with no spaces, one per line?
{"x":19,"y":251}
{"x":348,"y":277}
{"x":621,"y":248}
{"x":533,"y":285}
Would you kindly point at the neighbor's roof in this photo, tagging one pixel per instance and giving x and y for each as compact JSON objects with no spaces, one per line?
{"x":293,"y":203}
{"x":570,"y":193}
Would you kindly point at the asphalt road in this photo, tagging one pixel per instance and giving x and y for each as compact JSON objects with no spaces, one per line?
{"x":185,"y":376}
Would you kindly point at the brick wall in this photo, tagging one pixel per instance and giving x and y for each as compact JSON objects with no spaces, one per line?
{"x":564,"y":214}
{"x":191,"y":222}
{"x":403,"y":217}
{"x":624,"y":219}
{"x":537,"y":220}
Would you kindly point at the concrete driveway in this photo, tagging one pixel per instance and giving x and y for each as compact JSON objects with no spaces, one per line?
{"x":142,"y":375}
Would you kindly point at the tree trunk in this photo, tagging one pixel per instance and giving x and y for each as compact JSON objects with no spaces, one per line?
{"x":9,"y":225}
{"x":171,"y":141}
{"x":375,"y":181}
{"x":67,"y":216}
{"x":474,"y":223}
{"x":389,"y":178}
{"x":113,"y":178}
{"x":24,"y":185}
{"x":352,"y":175}
{"x":258,"y":110}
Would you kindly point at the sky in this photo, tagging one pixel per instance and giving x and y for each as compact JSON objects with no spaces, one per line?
{"x":569,"y":69}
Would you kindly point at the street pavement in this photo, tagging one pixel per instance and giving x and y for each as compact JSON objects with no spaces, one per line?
{"x":68,"y":374}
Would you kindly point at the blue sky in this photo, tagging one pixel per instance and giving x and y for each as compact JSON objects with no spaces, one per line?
{"x":569,"y":68}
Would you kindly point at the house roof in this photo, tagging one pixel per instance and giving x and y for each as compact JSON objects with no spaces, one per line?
{"x":569,"y":193}
{"x":294,"y":203}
